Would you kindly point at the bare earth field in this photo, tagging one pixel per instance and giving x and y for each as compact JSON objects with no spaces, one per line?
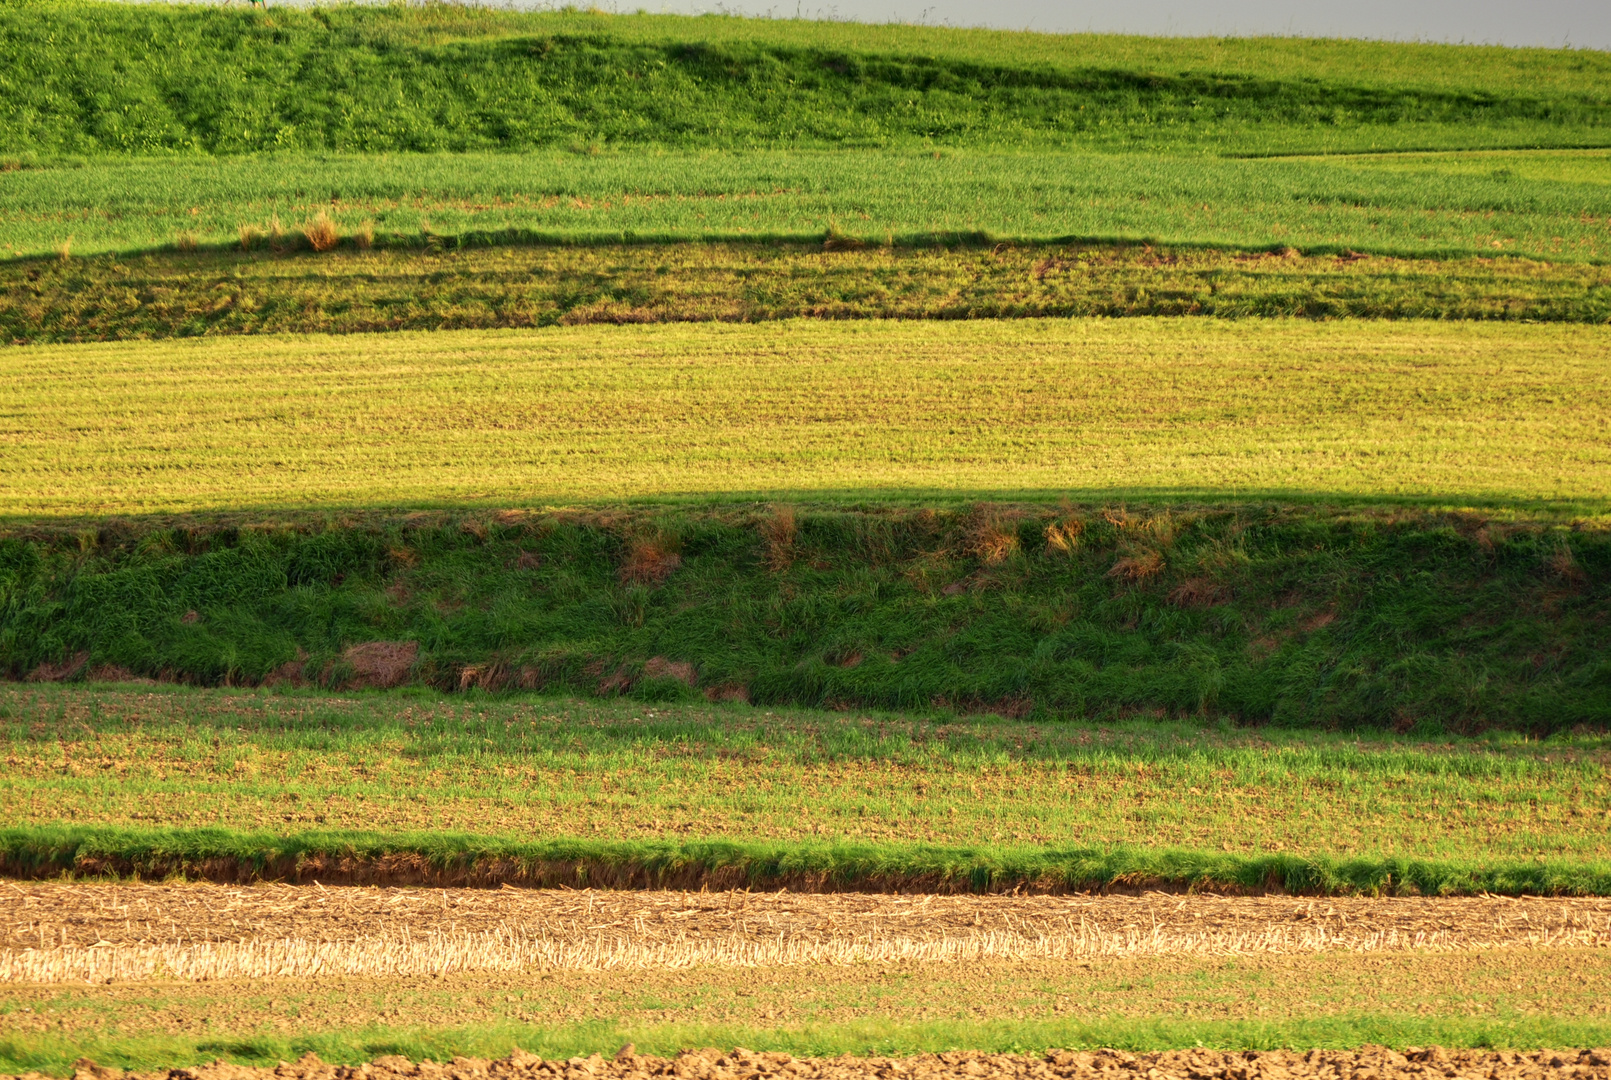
{"x":1369,"y":1063}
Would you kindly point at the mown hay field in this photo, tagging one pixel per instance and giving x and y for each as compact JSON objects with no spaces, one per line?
{"x":1453,"y":412}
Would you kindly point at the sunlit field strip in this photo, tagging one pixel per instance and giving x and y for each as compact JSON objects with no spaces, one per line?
{"x":1543,"y":206}
{"x":513,"y":949}
{"x":533,"y":767}
{"x":1464,"y":412}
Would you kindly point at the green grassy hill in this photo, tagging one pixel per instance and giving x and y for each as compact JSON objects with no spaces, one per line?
{"x":100,"y":78}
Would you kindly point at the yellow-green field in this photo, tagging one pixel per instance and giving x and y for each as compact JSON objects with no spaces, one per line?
{"x":1458,"y":412}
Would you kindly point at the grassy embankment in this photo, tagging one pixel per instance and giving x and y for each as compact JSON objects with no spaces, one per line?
{"x":96,"y":78}
{"x":1299,"y":617}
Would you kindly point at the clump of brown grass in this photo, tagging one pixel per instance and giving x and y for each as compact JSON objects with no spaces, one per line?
{"x":658,"y":667}
{"x":250,"y":236}
{"x":321,"y":233}
{"x":1199,"y":592}
{"x":276,"y":234}
{"x":64,"y":250}
{"x":186,"y":241}
{"x":1064,"y":536}
{"x":1563,"y":564}
{"x":1118,"y":517}
{"x":650,"y":559}
{"x":991,"y":537}
{"x":364,"y":235}
{"x":1137,"y":567}
{"x":778,"y":532}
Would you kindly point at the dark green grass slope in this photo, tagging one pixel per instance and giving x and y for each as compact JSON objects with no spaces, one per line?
{"x":1303,"y":617}
{"x":455,"y":860}
{"x":95,"y":78}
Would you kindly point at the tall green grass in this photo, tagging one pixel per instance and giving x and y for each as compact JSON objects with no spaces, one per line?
{"x":93,"y":78}
{"x":1303,"y":617}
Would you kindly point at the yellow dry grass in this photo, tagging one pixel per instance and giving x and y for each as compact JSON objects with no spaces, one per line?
{"x":1460,"y":411}
{"x":514,"y":949}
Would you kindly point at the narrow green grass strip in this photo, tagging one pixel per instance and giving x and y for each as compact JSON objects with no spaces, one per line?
{"x":54,"y":1054}
{"x":448,"y":859}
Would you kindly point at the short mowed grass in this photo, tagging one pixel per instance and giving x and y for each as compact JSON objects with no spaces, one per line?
{"x":1460,"y":413}
{"x":1427,"y":206}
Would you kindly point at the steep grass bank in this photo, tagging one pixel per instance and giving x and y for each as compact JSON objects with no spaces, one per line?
{"x":435,"y":859}
{"x":1299,"y":617}
{"x":184,"y":294}
{"x":98,"y":78}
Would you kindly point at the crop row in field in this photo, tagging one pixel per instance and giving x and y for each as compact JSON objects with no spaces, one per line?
{"x":99,"y":78}
{"x":629,"y":771}
{"x":231,"y":292}
{"x":1450,"y":411}
{"x":1550,"y":206}
{"x":1501,"y":998}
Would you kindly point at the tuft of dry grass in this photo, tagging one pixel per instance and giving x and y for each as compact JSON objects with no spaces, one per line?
{"x":64,"y":250}
{"x":991,"y":536}
{"x":186,"y":241}
{"x":276,"y":234}
{"x":321,"y":233}
{"x":364,"y":235}
{"x":1137,"y":567}
{"x":650,"y":560}
{"x":250,"y":236}
{"x":778,"y":533}
{"x":1199,"y":592}
{"x":1064,"y":536}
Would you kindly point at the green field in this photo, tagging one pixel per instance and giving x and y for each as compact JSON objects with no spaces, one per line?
{"x":565,"y":449}
{"x":1438,"y":206}
{"x":514,"y":769}
{"x":1456,"y":413}
{"x":454,"y":79}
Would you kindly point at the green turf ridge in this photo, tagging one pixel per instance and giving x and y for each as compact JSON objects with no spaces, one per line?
{"x":93,"y":78}
{"x":55,"y":1055}
{"x":458,"y":860}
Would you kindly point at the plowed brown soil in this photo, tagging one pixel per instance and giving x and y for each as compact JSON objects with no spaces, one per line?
{"x":45,"y":915}
{"x":1368,"y":1063}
